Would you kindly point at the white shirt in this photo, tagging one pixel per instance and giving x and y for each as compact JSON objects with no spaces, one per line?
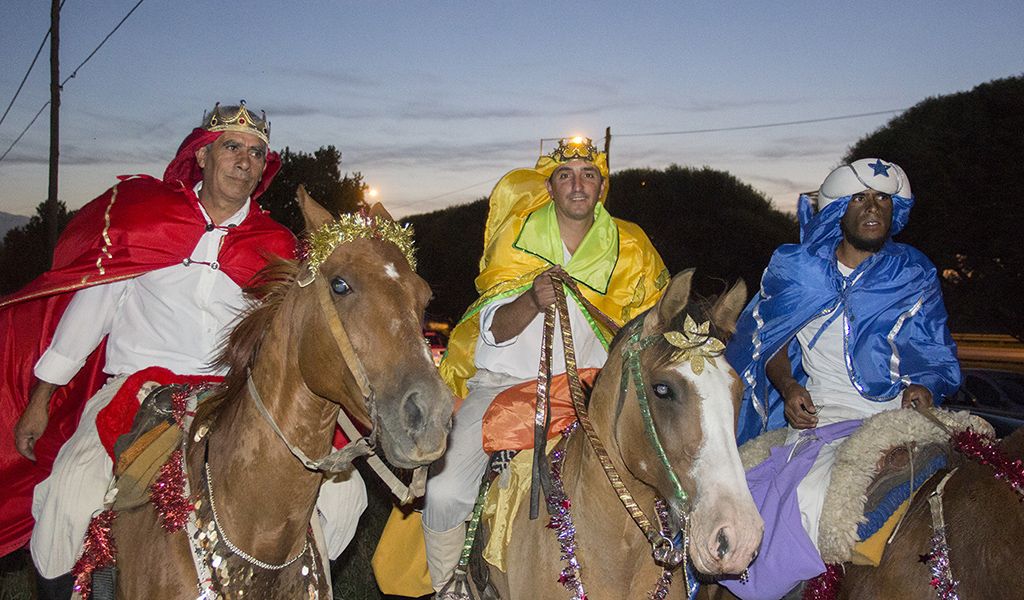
{"x":173,"y":317}
{"x":828,"y":381}
{"x":520,"y":355}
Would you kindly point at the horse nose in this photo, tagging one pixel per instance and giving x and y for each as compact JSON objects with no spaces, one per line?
{"x":413,"y":412}
{"x":723,"y":543}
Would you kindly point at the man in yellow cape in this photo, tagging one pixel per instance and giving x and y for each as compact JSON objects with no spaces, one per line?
{"x":542,"y":221}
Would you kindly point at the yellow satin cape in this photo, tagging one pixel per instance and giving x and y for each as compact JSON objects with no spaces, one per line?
{"x":617,"y":267}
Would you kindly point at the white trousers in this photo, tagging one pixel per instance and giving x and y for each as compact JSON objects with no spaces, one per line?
{"x":455,"y":479}
{"x":65,"y":502}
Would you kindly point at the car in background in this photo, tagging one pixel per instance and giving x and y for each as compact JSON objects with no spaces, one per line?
{"x":438,"y":344}
{"x":996,"y":395}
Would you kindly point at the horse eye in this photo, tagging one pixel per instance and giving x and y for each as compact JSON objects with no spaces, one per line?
{"x":662,"y":390}
{"x":340,"y":287}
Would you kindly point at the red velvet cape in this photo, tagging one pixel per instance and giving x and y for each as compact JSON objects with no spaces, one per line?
{"x":140,"y":225}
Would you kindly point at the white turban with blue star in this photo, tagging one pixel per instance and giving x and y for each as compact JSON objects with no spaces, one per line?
{"x":864,"y":174}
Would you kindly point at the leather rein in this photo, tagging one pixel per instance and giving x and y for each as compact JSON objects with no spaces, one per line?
{"x":663,"y":548}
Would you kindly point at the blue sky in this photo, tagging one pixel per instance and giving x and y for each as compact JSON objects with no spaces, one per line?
{"x":430,"y":98}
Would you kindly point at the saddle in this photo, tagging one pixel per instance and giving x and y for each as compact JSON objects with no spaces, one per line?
{"x":140,"y":453}
{"x":877,"y":470}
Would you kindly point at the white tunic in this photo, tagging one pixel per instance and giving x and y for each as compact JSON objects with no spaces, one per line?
{"x":173,"y":317}
{"x":835,"y":398}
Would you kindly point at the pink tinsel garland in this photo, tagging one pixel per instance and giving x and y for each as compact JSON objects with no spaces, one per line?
{"x":984,"y":450}
{"x":98,"y":551}
{"x":824,"y":586}
{"x":168,"y":494}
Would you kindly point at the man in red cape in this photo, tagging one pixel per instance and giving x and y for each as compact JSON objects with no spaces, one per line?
{"x":198,"y":225}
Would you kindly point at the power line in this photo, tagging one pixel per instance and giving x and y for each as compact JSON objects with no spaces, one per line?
{"x":95,"y":50}
{"x":694,"y":131}
{"x":763,"y":125}
{"x":69,"y":77}
{"x":30,"y":123}
{"x":46,"y":36}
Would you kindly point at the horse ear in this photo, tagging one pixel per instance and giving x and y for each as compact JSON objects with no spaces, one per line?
{"x":728,"y":307}
{"x":312,"y":213}
{"x":378,"y":210}
{"x":675,"y":298}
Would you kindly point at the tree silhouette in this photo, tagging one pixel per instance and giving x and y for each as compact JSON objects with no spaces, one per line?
{"x":24,"y":254}
{"x":963,"y":154}
{"x":703,"y":218}
{"x":695,"y":217}
{"x":320,"y":172}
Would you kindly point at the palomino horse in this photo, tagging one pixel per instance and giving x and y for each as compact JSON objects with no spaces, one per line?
{"x":289,"y":351}
{"x":984,"y":526}
{"x":692,"y":396}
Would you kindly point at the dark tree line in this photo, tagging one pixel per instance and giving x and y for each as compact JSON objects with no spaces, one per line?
{"x":698,"y":218}
{"x":24,"y":253}
{"x":964,"y":155}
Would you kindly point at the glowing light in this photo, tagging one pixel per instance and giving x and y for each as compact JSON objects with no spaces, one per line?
{"x":577,"y":139}
{"x":373,"y":192}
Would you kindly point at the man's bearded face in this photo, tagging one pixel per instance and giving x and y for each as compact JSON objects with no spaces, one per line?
{"x":575,"y":188}
{"x":867,"y":220}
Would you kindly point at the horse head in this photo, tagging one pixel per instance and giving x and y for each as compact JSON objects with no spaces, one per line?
{"x":371,"y":300}
{"x":675,"y":421}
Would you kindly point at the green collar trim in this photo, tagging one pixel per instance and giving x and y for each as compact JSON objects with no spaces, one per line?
{"x":593,"y":262}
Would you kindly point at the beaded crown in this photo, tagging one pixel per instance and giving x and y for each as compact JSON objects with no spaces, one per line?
{"x":237,"y":118}
{"x":575,"y":148}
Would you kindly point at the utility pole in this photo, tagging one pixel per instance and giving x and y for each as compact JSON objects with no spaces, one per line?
{"x":51,"y":198}
{"x":608,"y":146}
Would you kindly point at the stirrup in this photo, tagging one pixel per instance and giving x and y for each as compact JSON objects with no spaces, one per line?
{"x":458,"y":587}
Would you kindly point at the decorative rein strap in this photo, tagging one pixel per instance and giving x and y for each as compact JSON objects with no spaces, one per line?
{"x":938,"y":559}
{"x":661,"y":545}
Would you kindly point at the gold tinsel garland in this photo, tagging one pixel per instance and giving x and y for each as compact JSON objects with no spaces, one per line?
{"x":320,"y":244}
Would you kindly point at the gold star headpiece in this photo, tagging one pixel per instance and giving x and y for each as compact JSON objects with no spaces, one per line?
{"x":237,"y":118}
{"x":320,"y":244}
{"x":578,"y":147}
{"x":695,"y":344}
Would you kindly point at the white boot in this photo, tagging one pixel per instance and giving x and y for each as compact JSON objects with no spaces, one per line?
{"x":444,"y":548}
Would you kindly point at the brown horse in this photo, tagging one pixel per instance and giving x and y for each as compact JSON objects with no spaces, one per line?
{"x":693,"y":397}
{"x":264,"y":497}
{"x":984,"y":526}
{"x":984,"y":520}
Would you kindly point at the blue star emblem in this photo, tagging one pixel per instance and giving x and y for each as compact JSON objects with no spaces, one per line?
{"x":880,"y":168}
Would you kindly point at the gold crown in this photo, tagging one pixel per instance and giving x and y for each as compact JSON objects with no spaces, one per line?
{"x":237,"y":118}
{"x":575,"y":148}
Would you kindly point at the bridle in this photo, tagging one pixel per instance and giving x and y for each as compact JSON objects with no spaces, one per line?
{"x":359,"y":445}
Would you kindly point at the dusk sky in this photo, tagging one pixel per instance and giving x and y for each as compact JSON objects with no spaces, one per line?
{"x":433,"y":101}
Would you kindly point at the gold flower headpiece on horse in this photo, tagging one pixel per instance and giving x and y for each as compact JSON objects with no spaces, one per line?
{"x":322,"y":242}
{"x":695,"y":344}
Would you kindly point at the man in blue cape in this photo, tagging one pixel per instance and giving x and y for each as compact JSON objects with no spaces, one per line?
{"x":847,"y":324}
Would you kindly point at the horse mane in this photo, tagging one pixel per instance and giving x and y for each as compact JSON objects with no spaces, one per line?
{"x":266,"y":292}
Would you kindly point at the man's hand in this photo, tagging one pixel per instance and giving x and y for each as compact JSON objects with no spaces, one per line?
{"x":32,"y":424}
{"x":799,"y":408}
{"x":511,"y":319}
{"x":543,"y":290}
{"x":916,"y":396}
